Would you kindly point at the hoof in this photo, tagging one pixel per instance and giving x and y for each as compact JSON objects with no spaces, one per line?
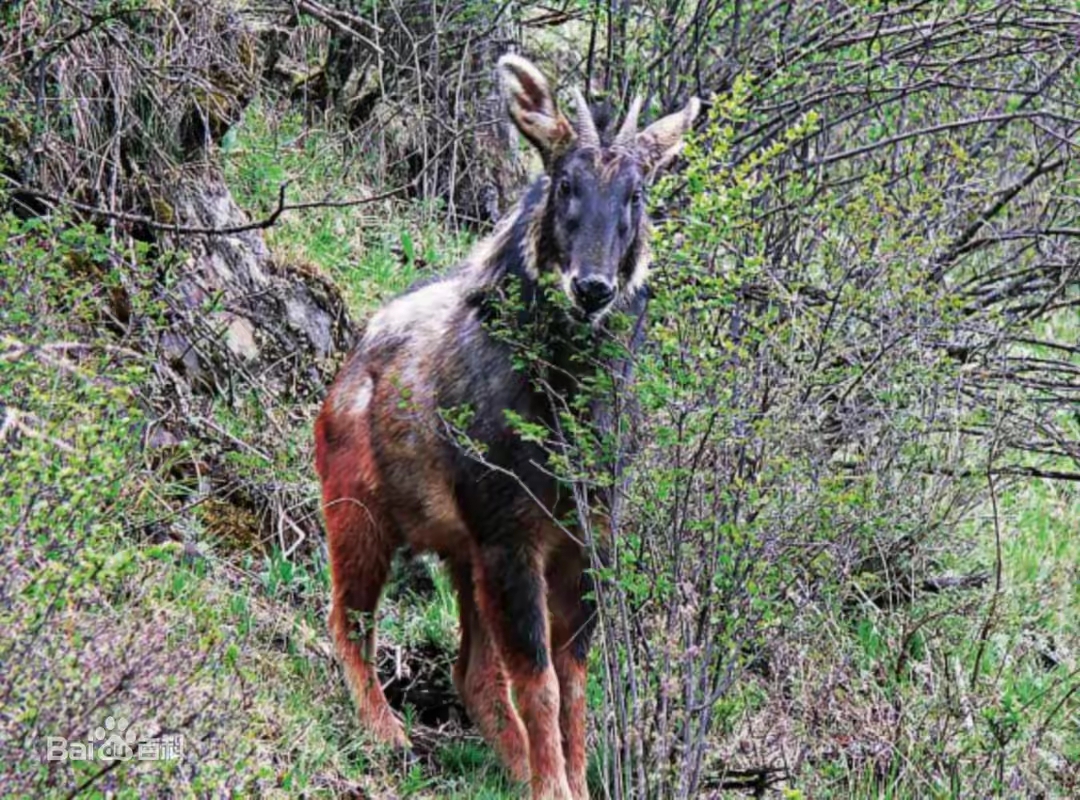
{"x":407,"y":757}
{"x":387,"y":730}
{"x":554,"y":789}
{"x":518,"y":770}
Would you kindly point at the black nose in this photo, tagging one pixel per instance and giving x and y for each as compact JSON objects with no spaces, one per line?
{"x":592,"y":293}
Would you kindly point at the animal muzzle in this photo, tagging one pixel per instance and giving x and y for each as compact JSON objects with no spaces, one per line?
{"x":593,"y":293}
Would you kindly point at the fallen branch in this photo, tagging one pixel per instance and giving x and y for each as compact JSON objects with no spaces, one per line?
{"x":194,"y":230}
{"x":27,"y":424}
{"x":940,"y":583}
{"x":1011,"y":471}
{"x":755,"y":779}
{"x":332,"y":18}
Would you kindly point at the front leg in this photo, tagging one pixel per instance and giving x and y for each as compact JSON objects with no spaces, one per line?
{"x":511,"y":596}
{"x":573,"y":617}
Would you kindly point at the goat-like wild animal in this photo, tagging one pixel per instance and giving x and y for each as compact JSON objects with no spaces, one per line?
{"x":392,"y":475}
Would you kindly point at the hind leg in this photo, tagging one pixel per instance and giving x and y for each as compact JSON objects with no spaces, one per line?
{"x":482,"y":683}
{"x":359,"y":564}
{"x":361,"y":547}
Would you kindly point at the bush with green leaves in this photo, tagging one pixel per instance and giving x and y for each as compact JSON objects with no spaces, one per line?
{"x":804,"y":463}
{"x":800,"y":465}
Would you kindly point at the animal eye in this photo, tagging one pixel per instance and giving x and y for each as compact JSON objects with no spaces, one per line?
{"x":565,"y":189}
{"x":637,"y":196}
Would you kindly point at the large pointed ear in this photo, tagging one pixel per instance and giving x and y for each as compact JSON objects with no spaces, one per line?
{"x":532,"y":107}
{"x":662,"y":141}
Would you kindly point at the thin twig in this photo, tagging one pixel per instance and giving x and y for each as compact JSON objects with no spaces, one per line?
{"x":231,"y":230}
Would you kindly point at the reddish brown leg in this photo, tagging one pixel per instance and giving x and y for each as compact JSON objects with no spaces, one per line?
{"x":360,"y":552}
{"x":571,"y":627}
{"x":571,"y":673}
{"x":483,"y":686}
{"x":511,"y":597}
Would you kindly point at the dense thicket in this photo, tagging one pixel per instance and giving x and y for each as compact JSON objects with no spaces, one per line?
{"x":863,"y":337}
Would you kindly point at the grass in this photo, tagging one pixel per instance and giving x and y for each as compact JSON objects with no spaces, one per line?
{"x":373,"y":252}
{"x":952,"y":691}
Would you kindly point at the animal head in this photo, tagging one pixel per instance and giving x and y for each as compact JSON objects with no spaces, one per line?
{"x":594,"y":228}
